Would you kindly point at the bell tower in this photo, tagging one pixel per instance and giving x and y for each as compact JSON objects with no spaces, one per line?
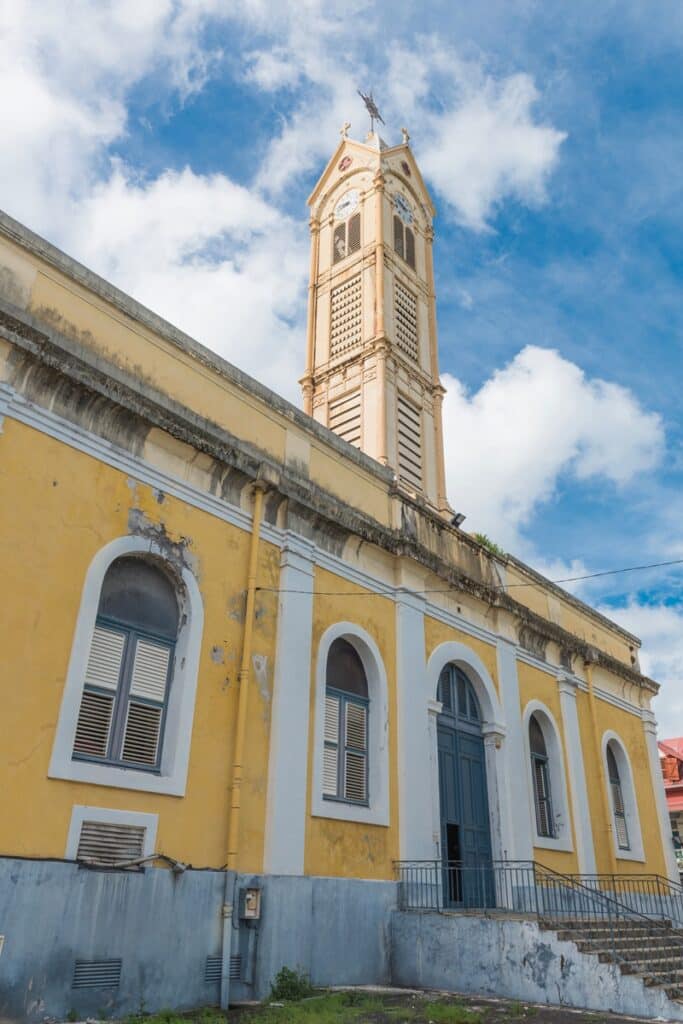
{"x":372,"y":372}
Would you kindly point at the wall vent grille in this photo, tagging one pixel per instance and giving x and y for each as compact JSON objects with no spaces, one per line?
{"x":105,"y":844}
{"x":345,"y":317}
{"x":406,"y":321}
{"x":213,"y":969}
{"x":344,"y":417}
{"x":409,"y":444}
{"x":96,"y":974}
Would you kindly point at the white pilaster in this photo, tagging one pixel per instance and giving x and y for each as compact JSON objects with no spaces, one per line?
{"x":288,"y":758}
{"x":434,"y":709}
{"x":498,"y":794}
{"x":583,"y":829}
{"x":518,"y":809}
{"x":650,"y":728}
{"x":415,"y":778}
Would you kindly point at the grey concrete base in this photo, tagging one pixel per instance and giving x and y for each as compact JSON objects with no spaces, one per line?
{"x":516,"y":959}
{"x":335,"y":929}
{"x":162,"y":926}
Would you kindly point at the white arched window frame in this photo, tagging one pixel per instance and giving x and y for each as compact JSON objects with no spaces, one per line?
{"x":172,"y":776}
{"x":635,"y":851}
{"x":376,"y":812}
{"x":562,"y":826}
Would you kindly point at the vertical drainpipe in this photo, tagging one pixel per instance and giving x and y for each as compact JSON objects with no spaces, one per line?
{"x":307,"y":379}
{"x":604,"y":802}
{"x":243,"y":679}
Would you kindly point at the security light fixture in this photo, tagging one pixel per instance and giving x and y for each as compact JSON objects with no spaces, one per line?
{"x":458,"y":519}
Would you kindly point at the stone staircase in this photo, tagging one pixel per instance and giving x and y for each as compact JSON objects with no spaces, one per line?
{"x":651,"y":950}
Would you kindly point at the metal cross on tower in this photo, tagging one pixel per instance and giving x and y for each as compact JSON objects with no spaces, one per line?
{"x":371,"y":108}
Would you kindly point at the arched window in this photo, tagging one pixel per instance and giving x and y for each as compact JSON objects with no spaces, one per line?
{"x":345,"y":759}
{"x":346,"y":238}
{"x":129,"y":667}
{"x":618,"y":808}
{"x":457,"y":696}
{"x":404,"y":242}
{"x":545,"y":823}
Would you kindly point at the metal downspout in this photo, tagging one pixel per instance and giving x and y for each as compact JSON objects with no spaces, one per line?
{"x":604,"y":799}
{"x":243,"y":680}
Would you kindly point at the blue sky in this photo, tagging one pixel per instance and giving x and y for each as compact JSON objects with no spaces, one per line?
{"x":171,"y":147}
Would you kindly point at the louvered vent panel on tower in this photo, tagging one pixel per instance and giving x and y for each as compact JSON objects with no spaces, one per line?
{"x":345,"y":317}
{"x":409,"y":444}
{"x":345,"y":417}
{"x":406,"y":321}
{"x":106,"y":844}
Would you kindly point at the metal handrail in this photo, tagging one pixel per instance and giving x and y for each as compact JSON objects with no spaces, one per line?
{"x":531,"y":888}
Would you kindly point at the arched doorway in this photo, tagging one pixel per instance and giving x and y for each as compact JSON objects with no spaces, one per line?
{"x":465,"y":826}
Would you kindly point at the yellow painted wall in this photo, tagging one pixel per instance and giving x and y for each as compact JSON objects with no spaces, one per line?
{"x":59,"y":508}
{"x":437,"y":632}
{"x":630,"y":730}
{"x":534,"y":684}
{"x":338,"y":847}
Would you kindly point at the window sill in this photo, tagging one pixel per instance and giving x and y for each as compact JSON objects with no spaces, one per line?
{"x":561,"y":843}
{"x":117,"y":778}
{"x":342,"y":810}
{"x":636,"y":855}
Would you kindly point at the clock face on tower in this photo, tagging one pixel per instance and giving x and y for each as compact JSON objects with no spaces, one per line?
{"x":346,"y":205}
{"x":403,"y":209}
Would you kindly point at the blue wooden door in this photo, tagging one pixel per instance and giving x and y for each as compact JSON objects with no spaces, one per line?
{"x":465,"y":829}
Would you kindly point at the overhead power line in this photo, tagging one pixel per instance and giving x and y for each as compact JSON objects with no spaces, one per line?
{"x":500,"y":586}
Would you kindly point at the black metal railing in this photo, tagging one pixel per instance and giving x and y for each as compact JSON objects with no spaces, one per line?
{"x":626,"y":916}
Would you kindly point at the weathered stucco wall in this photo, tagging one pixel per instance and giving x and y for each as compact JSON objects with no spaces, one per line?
{"x":162,"y":927}
{"x":513,"y":958}
{"x":64,"y":507}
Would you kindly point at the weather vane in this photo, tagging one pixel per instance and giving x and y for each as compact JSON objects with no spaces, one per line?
{"x":371,"y":108}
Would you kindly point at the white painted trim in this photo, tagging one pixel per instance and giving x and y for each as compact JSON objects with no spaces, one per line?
{"x":172,"y":778}
{"x":558,"y":778}
{"x":107,"y":816}
{"x":377,"y":813}
{"x":650,"y":729}
{"x":285,"y":834}
{"x":628,"y":793}
{"x":415,"y":771}
{"x":583,"y":827}
{"x":453,"y":652}
{"x":516,"y":805}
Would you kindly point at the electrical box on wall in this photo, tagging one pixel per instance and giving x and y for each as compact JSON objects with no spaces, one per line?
{"x":250,"y":904}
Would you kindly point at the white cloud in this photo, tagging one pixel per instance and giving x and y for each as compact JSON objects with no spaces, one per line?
{"x":661,"y":630}
{"x":212,"y":257}
{"x":537,"y":418}
{"x":488,"y":148}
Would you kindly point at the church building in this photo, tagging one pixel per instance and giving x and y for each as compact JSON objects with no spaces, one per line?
{"x":253,"y":639}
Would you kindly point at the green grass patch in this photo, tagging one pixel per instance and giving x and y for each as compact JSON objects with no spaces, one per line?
{"x":449,"y":1013}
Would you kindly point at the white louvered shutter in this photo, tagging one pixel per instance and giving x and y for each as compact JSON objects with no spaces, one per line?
{"x":619,"y":817}
{"x":149,"y":680}
{"x":355,"y":759}
{"x":96,"y":711}
{"x":331,"y":749}
{"x":542,"y":802}
{"x":107,"y":844}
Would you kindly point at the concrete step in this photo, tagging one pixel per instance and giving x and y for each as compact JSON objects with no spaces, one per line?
{"x":629,"y":950}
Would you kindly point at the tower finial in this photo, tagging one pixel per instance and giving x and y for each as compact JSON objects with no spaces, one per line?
{"x":372,"y":110}
{"x":344,"y":130}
